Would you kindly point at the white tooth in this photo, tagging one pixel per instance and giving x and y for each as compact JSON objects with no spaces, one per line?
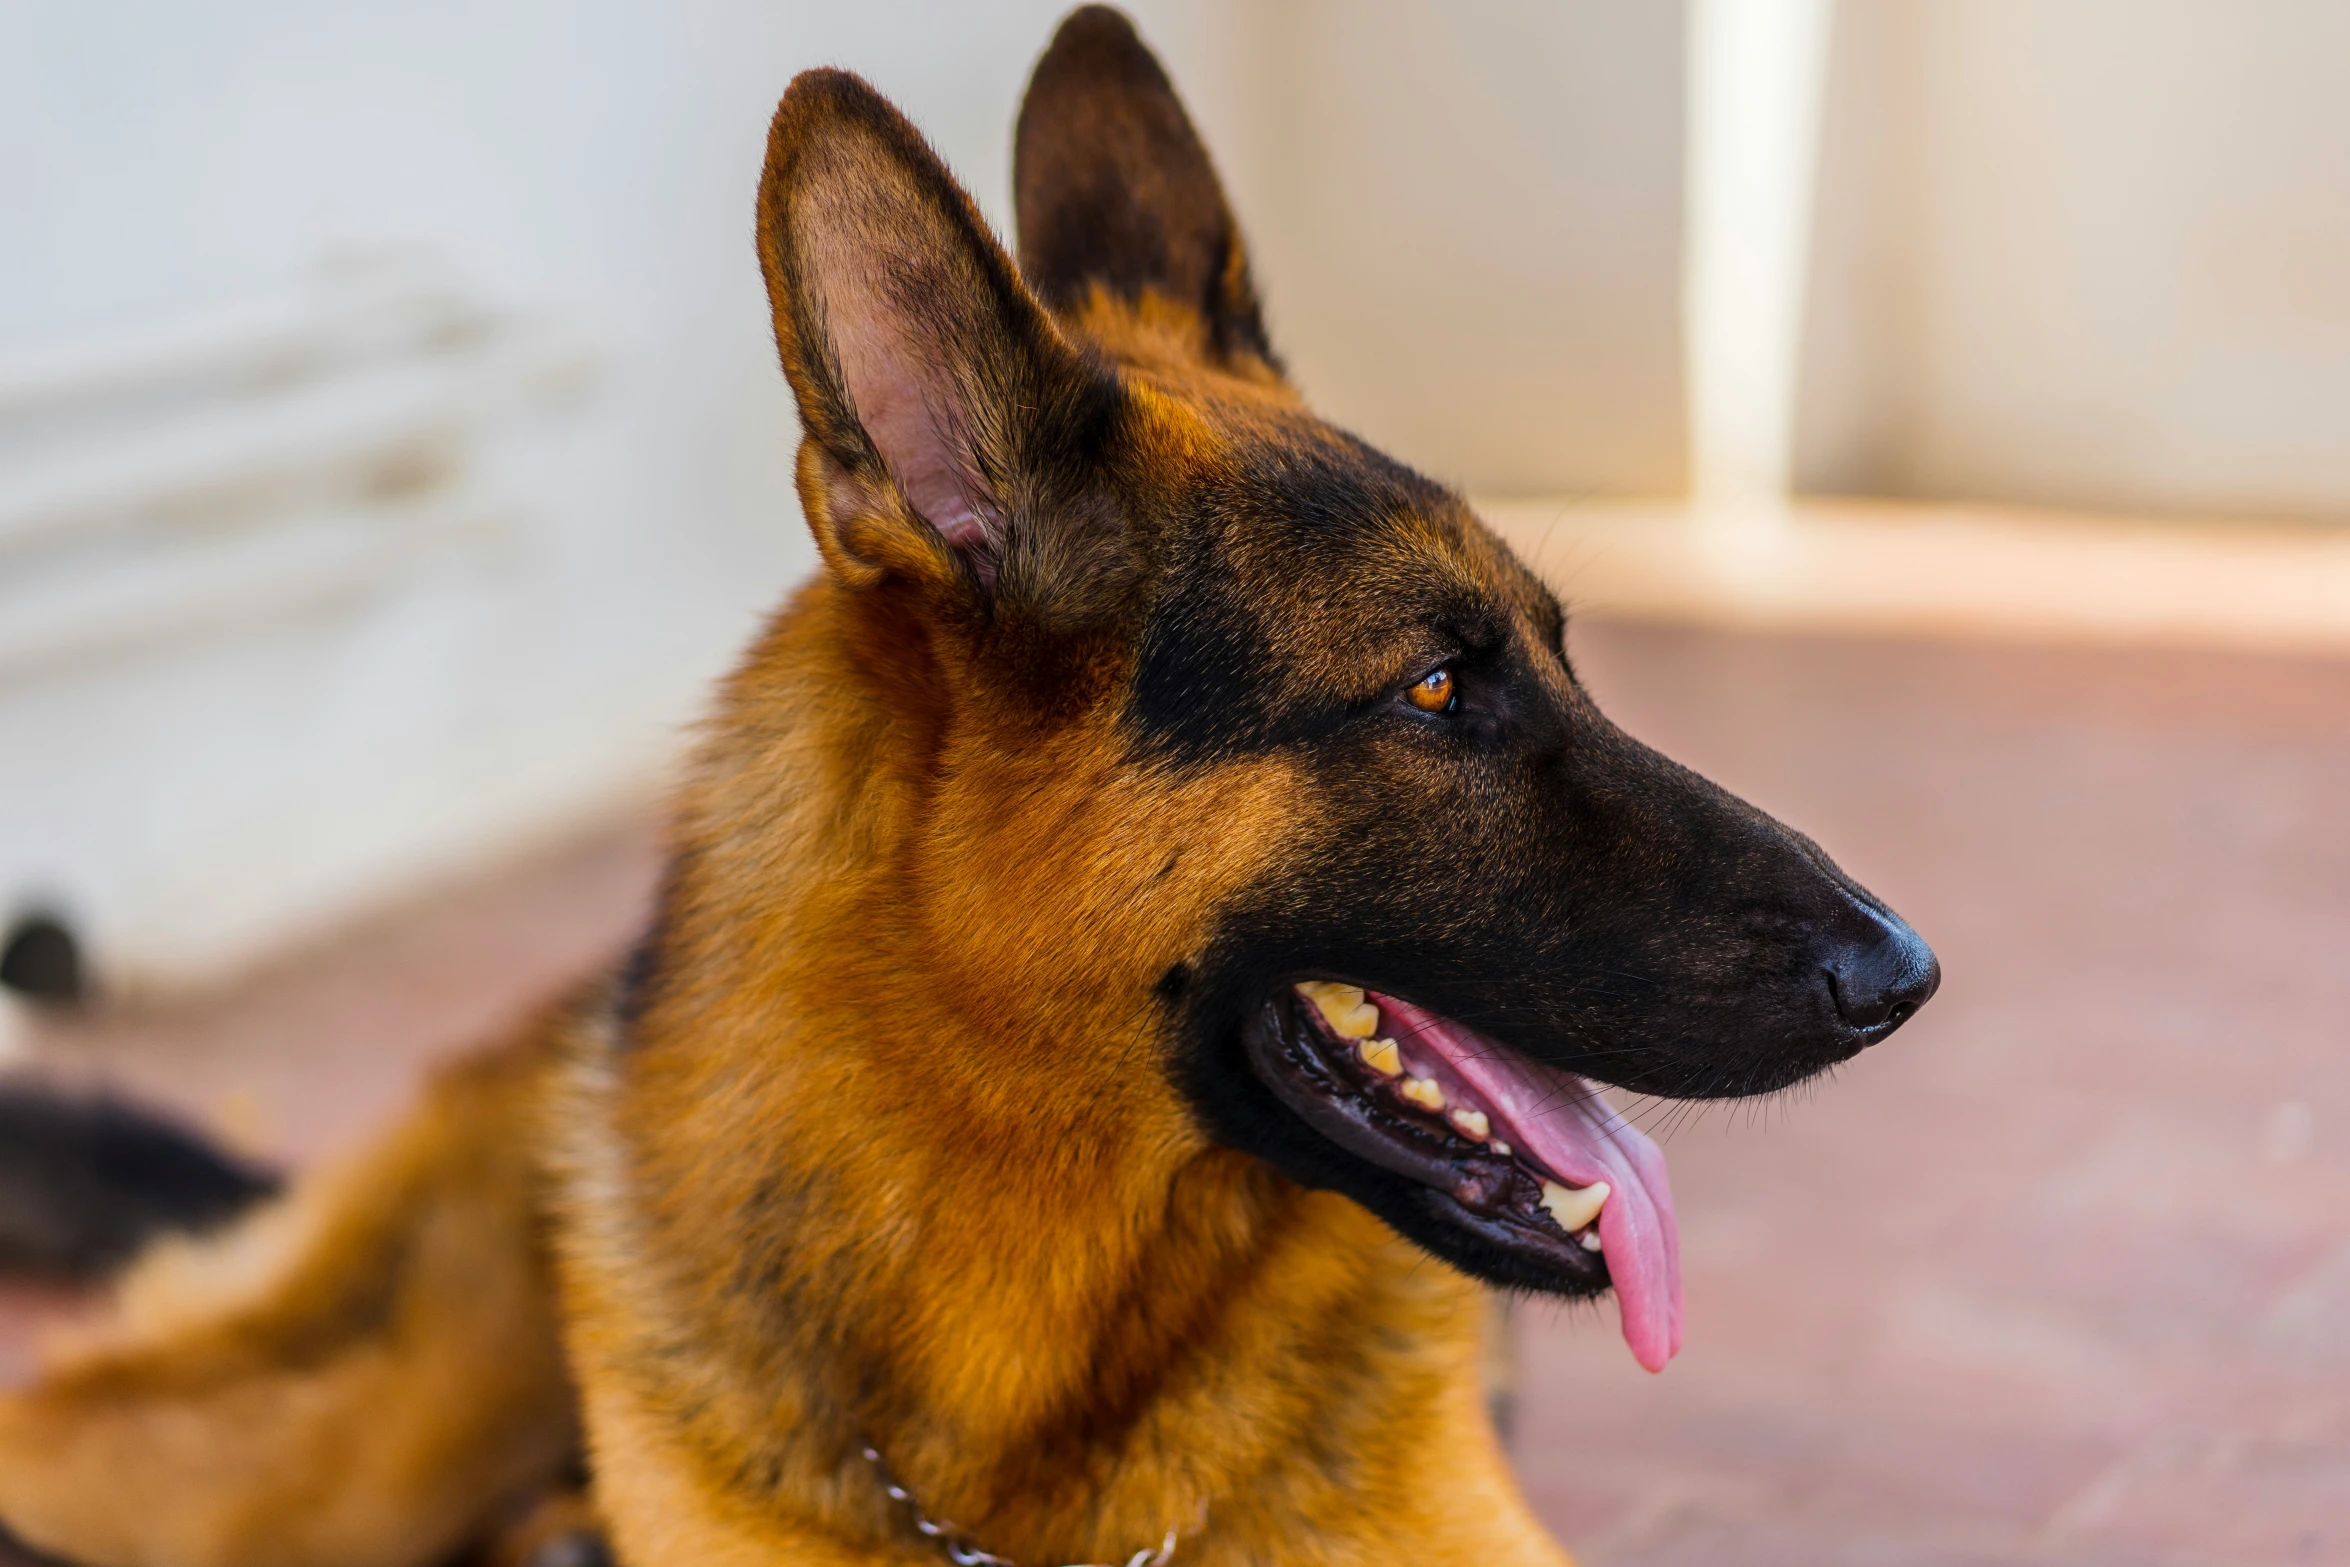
{"x":1574,"y":1207}
{"x":1423,"y":1092}
{"x":1471,"y":1123}
{"x":1502,"y":1148}
{"x":1381,"y":1056}
{"x":1589,"y":1239}
{"x":1342,"y":1007}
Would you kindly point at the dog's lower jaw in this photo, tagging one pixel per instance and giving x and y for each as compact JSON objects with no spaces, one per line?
{"x":1519,"y":1173}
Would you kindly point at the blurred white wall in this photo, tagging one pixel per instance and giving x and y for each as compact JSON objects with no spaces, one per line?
{"x":2087,"y":253}
{"x":1468,"y":220}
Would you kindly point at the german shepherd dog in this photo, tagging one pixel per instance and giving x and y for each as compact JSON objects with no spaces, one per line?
{"x":1159,"y":884}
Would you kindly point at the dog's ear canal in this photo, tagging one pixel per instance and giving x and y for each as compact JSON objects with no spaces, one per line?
{"x":1114,"y":191}
{"x":939,"y":402}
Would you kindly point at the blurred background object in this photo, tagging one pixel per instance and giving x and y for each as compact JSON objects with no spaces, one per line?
{"x":1935,"y":410}
{"x":2087,"y":253}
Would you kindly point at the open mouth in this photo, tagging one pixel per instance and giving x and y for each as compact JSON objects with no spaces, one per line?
{"x":1527,"y":1158}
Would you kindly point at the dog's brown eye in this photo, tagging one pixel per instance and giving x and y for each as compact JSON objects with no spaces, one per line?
{"x":1433,"y":692}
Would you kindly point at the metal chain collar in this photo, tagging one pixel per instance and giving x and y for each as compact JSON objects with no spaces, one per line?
{"x":958,"y":1546}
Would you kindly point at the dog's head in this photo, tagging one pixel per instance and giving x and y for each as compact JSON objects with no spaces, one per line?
{"x":1237,"y":733}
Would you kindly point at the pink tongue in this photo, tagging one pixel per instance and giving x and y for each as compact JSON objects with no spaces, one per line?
{"x":1560,"y":1120}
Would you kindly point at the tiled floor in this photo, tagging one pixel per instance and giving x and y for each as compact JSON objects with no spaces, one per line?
{"x":2062,"y":1273}
{"x":2060,"y":1276}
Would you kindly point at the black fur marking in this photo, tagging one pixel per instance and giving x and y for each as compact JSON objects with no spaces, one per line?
{"x":84,"y":1183}
{"x":42,"y":962}
{"x":633,"y":991}
{"x":1203,"y":686}
{"x":15,"y":1553}
{"x":1114,"y":189}
{"x":637,"y":985}
{"x":1209,"y":684}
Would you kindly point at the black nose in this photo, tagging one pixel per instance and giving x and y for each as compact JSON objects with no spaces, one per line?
{"x":1882,"y":974}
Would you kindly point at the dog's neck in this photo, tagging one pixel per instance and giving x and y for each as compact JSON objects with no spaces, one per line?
{"x":938,"y":1194}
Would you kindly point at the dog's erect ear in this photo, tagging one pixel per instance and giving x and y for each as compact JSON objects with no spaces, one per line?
{"x":935,"y":393}
{"x":1114,"y":190}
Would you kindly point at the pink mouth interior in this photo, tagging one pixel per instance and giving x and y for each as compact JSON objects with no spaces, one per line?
{"x":1558,"y":1121}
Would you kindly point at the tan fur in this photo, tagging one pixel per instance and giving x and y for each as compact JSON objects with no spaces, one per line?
{"x":356,"y":1379}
